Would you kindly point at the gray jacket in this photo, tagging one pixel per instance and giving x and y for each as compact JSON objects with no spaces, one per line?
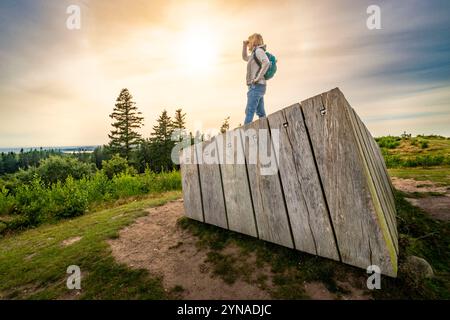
{"x":254,"y":72}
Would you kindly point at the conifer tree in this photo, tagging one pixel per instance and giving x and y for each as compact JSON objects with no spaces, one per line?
{"x":162,"y":131}
{"x":179,"y":121}
{"x":225,"y":125}
{"x":161,"y":143}
{"x":127,"y":119}
{"x":179,"y":124}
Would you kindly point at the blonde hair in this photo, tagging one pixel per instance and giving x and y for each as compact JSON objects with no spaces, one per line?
{"x":255,"y":40}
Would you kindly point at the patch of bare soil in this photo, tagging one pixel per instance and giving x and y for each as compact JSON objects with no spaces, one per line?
{"x":318,"y":291}
{"x":354,"y":292}
{"x":155,"y":243}
{"x":411,"y":185}
{"x":437,"y":206}
{"x":70,"y":241}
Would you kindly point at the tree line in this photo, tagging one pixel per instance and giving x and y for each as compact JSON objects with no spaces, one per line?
{"x":11,"y":162}
{"x":153,"y":152}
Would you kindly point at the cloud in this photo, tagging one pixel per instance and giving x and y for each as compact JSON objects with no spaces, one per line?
{"x":59,"y":86}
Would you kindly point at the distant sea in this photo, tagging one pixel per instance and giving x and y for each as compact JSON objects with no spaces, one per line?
{"x":66,"y":149}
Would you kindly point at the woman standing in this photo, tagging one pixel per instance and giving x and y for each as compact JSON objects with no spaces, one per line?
{"x":257,"y":65}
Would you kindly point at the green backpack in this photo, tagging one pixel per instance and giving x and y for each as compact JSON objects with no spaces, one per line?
{"x":273,"y":65}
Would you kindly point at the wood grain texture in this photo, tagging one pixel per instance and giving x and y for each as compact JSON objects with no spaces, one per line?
{"x":190,"y":183}
{"x":386,"y":209}
{"x":311,"y":227}
{"x":235,"y":183}
{"x":388,"y":188}
{"x":211,"y":184}
{"x":361,"y":240}
{"x":386,"y":243}
{"x":270,"y":210}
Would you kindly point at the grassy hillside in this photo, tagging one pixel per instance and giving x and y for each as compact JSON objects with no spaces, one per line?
{"x":420,"y":151}
{"x":420,"y":158}
{"x":33,"y":263}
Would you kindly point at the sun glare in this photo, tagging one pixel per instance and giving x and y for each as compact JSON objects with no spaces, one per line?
{"x":199,"y":48}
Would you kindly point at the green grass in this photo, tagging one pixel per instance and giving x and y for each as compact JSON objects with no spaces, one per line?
{"x":439,"y":175}
{"x":33,"y":263}
{"x":420,"y":151}
{"x":419,"y":235}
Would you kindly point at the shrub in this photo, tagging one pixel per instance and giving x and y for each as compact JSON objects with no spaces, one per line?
{"x":424,"y":144}
{"x":166,"y":181}
{"x":69,"y":199}
{"x":57,"y":168}
{"x":388,"y":142}
{"x":23,"y":176}
{"x":117,"y":165}
{"x":6,"y":201}
{"x":18,"y":222}
{"x":99,"y":187}
{"x":424,"y":161}
{"x":126,"y":185}
{"x":160,"y":182}
{"x":32,"y":200}
{"x":393,"y":161}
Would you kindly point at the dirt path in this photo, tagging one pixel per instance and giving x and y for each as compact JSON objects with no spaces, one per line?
{"x":438,"y":206}
{"x":154,"y":242}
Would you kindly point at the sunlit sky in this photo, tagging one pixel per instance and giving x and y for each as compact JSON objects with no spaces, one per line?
{"x":57,"y":86}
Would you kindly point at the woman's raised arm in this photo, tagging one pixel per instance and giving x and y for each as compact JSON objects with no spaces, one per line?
{"x":244,"y":50}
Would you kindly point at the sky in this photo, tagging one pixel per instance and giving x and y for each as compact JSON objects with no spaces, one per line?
{"x":58,"y":86}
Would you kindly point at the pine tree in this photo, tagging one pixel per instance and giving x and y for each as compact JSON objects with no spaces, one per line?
{"x":179,"y":121}
{"x":162,"y":131}
{"x":161,"y":144}
{"x":127,"y":119}
{"x":179,"y":124}
{"x":225,"y":125}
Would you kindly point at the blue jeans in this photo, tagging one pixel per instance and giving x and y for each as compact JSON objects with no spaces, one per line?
{"x":255,"y":102}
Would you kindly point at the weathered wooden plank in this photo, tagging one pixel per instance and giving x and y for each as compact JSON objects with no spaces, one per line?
{"x":235,"y":183}
{"x":382,"y":241}
{"x":364,"y":138}
{"x":270,"y":210}
{"x":384,"y":176}
{"x":211,"y":184}
{"x":389,"y":188}
{"x":311,"y":227}
{"x":378,"y":198}
{"x":191,"y":184}
{"x":360,"y":238}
